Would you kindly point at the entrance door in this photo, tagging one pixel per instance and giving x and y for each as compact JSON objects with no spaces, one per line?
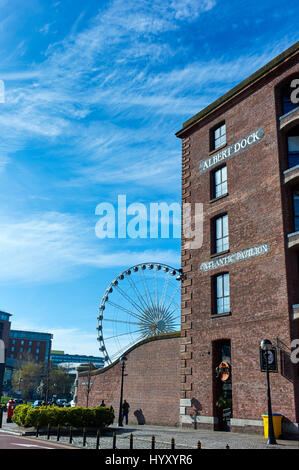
{"x":223,"y":384}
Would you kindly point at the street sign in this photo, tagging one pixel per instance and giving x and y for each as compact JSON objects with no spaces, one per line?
{"x":272,"y":360}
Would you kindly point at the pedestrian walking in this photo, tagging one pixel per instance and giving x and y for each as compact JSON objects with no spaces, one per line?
{"x":125,"y":410}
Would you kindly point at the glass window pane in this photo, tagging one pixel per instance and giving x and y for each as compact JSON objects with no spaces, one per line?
{"x":219,"y":287}
{"x":219,"y":232}
{"x":218,"y":177}
{"x":226,"y":305}
{"x":224,"y":187}
{"x":293,"y":143}
{"x":225,"y":225}
{"x":226,"y":284}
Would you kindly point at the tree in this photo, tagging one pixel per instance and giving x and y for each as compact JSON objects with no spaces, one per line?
{"x":59,"y":383}
{"x":26,"y":378}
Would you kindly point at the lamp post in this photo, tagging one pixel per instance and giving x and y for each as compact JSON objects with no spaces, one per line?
{"x":123,"y":365}
{"x":266,"y":345}
{"x":20,"y":381}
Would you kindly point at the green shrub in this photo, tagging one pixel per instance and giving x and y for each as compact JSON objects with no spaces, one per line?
{"x":27,"y":416}
{"x":4,"y":400}
{"x":20,"y":414}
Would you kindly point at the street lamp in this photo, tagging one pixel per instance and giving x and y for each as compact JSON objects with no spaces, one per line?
{"x":266,"y":346}
{"x":123,"y":365}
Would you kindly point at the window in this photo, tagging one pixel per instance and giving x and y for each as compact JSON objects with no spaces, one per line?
{"x":36,"y":358}
{"x":13,"y":348}
{"x":293,"y":147}
{"x":296,"y":208}
{"x":221,"y":241}
{"x":29,"y":349}
{"x":219,"y":136}
{"x":37,"y":350}
{"x":287,"y":104}
{"x":21,"y":349}
{"x":221,"y":293}
{"x":22,"y":342}
{"x":30,"y":343}
{"x":220,"y":182}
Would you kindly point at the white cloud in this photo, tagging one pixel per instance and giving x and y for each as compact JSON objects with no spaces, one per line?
{"x":50,"y":247}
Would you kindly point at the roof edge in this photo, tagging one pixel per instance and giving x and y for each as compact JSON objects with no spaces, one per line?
{"x":173,"y":334}
{"x":287,"y":54}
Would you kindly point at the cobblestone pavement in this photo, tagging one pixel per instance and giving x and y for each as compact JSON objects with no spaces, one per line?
{"x":184,"y":439}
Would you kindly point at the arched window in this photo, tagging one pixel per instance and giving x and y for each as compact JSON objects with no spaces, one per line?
{"x":296,"y":208}
{"x":293,"y":146}
{"x":287,"y":98}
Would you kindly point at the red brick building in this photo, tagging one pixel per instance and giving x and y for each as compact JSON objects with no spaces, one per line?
{"x":240,"y":158}
{"x":4,"y":338}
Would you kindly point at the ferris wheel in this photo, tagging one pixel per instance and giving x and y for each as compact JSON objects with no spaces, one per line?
{"x":140,"y":302}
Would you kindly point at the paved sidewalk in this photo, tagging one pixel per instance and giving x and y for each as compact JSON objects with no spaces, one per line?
{"x":184,"y":438}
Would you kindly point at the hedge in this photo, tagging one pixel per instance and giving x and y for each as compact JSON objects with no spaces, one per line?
{"x":77,"y":416}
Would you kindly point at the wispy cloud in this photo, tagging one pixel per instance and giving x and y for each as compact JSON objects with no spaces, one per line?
{"x":54,"y":246}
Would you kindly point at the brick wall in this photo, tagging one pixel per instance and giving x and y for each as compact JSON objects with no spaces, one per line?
{"x":151,"y":383}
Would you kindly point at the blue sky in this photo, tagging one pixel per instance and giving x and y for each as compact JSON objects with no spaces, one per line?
{"x":94,"y":92}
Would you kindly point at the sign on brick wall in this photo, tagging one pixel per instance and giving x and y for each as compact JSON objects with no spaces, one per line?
{"x":235,"y":257}
{"x":231,"y":150}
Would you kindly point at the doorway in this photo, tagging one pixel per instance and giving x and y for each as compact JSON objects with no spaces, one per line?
{"x":222,"y":384}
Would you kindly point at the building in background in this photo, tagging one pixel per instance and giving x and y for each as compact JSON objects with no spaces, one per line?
{"x":59,"y":358}
{"x":26,"y":346}
{"x":4,"y":336}
{"x":241,"y":161}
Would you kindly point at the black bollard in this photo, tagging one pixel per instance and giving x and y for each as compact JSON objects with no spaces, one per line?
{"x":114,"y":441}
{"x":84,"y":437}
{"x":49,"y":431}
{"x":172,"y":443}
{"x":58,"y":432}
{"x":131,"y":441}
{"x":227,"y":446}
{"x":71,"y":435}
{"x":98,"y":439}
{"x":153,"y":442}
{"x":199,"y":445}
{"x":1,"y":416}
{"x":37,"y":430}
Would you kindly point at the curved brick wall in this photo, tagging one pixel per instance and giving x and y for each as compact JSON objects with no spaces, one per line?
{"x":151,"y":383}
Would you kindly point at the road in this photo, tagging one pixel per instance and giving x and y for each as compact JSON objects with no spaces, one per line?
{"x":10,"y":441}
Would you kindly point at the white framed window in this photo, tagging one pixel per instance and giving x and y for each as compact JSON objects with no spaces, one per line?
{"x":219,"y":136}
{"x":221,"y":234}
{"x":222,"y":297}
{"x":220,"y":182}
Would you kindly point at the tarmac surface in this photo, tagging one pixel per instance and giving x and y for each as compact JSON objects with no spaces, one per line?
{"x":142,"y":438}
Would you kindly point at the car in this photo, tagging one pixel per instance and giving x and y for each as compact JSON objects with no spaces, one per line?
{"x":61,"y":401}
{"x":18,"y":401}
{"x":37,"y":403}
